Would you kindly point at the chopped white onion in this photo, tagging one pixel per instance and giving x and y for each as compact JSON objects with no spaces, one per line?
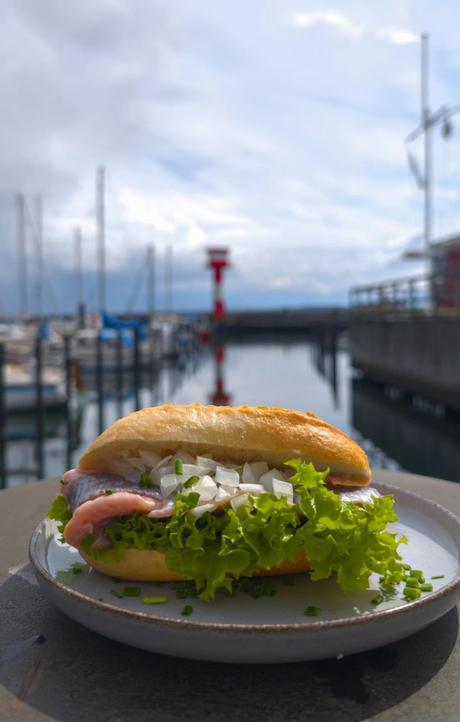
{"x":206,"y":461}
{"x":150,"y":458}
{"x":222,"y":494}
{"x":258,"y":468}
{"x":252,"y":488}
{"x":283,"y":488}
{"x":184,"y":457}
{"x":206,"y":487}
{"x":121,"y":467}
{"x":164,"y":461}
{"x":227,"y":477}
{"x":168,"y":484}
{"x":240,"y":500}
{"x":248,"y":475}
{"x":136,"y":462}
{"x":158,"y":473}
{"x":267,"y":478}
{"x":198,"y":511}
{"x":163,"y":470}
{"x":155,"y":476}
{"x":189,"y":470}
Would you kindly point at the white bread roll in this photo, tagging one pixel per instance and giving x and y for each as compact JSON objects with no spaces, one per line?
{"x":232,"y":434}
{"x":144,"y":565}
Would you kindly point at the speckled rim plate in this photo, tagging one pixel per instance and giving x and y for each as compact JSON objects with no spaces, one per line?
{"x":273,"y":629}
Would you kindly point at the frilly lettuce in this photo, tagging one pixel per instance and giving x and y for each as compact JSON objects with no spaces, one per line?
{"x":60,"y":512}
{"x":337,"y":537}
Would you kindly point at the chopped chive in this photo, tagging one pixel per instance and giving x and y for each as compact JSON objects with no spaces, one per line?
{"x":78,"y":568}
{"x":438,"y":576}
{"x":256,"y":588}
{"x":191,"y":481}
{"x":187,"y":610}
{"x":107,"y":492}
{"x":154,"y":600}
{"x":378,"y":599}
{"x":131,"y":591}
{"x":182,"y":584}
{"x":412,"y":593}
{"x":186,"y":593}
{"x":145,"y":480}
{"x":412,"y":582}
{"x":178,"y":466}
{"x":426,"y":587}
{"x":61,"y":481}
{"x":126,"y":592}
{"x":191,"y":500}
{"x":312,"y":611}
{"x":417,"y":573}
{"x":408,"y":567}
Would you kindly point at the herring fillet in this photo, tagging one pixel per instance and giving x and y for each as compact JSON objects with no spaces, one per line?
{"x":92,"y":508}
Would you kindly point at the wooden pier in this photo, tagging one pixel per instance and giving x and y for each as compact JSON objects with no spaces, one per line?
{"x":284,"y":321}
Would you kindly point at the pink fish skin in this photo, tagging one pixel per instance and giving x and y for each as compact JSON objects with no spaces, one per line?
{"x":93,"y":515}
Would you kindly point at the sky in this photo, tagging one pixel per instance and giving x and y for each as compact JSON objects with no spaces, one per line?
{"x":274,"y":128}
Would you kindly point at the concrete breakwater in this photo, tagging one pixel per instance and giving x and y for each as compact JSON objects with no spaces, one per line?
{"x":421,"y":355}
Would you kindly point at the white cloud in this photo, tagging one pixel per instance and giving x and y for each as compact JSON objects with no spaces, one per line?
{"x":197,"y":214}
{"x":398,"y":36}
{"x":327,"y":17}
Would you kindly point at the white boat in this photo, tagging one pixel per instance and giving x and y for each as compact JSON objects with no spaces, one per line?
{"x":20,"y":391}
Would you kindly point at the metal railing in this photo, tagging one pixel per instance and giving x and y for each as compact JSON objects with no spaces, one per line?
{"x":422,"y":294}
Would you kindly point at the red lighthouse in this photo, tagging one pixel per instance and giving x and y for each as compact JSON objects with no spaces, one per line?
{"x":219,"y":397}
{"x":218,"y":260}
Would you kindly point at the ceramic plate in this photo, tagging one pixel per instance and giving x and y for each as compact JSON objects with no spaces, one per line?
{"x":267,"y":628}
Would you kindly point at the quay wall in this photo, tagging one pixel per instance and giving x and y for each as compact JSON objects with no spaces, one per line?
{"x":420,"y":355}
{"x":306,"y":320}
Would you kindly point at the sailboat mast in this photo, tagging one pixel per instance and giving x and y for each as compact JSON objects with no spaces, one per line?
{"x":100,"y":212}
{"x":39,"y":249}
{"x":23,"y":300}
{"x":168,"y":280}
{"x":150,"y":279}
{"x":78,"y":270}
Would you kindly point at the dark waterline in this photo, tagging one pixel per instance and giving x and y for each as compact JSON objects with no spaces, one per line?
{"x":289,"y":373}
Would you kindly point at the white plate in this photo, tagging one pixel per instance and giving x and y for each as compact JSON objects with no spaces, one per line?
{"x":266,"y":629}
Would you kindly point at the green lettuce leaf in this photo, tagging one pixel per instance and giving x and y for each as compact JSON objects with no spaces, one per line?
{"x":337,"y":537}
{"x":60,"y":512}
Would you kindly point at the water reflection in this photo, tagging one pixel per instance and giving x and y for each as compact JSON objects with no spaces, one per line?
{"x":219,"y":396}
{"x":308,"y":374}
{"x":418,"y":438}
{"x":325,"y":359}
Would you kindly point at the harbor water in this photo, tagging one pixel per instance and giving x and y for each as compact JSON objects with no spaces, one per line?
{"x":396,"y":432}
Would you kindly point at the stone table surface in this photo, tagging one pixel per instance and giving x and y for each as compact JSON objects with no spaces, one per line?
{"x":53,"y":669}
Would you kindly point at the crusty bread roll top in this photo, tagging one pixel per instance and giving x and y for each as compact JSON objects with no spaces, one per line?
{"x":232,"y":434}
